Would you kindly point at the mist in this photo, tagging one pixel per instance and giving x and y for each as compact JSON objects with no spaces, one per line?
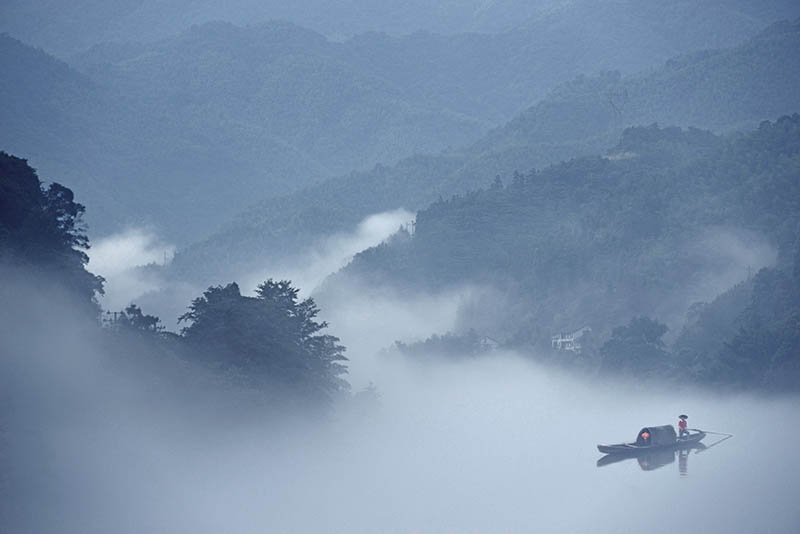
{"x":399,"y":266}
{"x":498,"y":443}
{"x":122,"y":259}
{"x":728,"y":256}
{"x":167,"y":297}
{"x":310,"y":267}
{"x":723,"y":257}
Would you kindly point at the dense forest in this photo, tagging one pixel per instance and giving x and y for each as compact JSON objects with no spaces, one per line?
{"x":206,"y":120}
{"x":273,"y":109}
{"x":748,"y":336}
{"x":596,"y":240}
{"x":682,"y":24}
{"x":41,"y":232}
{"x":730,"y":89}
{"x":657,"y":189}
{"x":270,"y":341}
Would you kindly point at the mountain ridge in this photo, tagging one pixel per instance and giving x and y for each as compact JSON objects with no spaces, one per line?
{"x":545,"y":134}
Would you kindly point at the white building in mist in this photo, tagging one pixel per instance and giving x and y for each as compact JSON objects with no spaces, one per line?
{"x":569,"y":342}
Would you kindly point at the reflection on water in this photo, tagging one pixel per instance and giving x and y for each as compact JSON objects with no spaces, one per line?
{"x":652,"y":460}
{"x":683,"y":462}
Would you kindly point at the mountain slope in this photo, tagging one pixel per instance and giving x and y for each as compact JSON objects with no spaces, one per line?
{"x":724,"y":90}
{"x":55,"y":26}
{"x":718,"y":89}
{"x":282,"y":82}
{"x":55,"y":117}
{"x":196,"y":127}
{"x":670,"y":218}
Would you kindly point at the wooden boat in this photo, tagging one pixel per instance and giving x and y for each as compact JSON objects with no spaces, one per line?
{"x":654,"y":438}
{"x":650,"y":459}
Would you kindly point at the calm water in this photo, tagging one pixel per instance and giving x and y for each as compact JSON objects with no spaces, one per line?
{"x":490,"y":445}
{"x":505,"y":446}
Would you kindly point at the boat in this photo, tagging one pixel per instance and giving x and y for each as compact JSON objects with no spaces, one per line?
{"x":651,"y":459}
{"x":653,"y":438}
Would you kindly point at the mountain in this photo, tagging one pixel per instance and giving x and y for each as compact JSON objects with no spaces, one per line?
{"x":724,"y":89}
{"x":712,"y":23}
{"x":748,"y":336}
{"x":151,"y":20}
{"x":112,"y":152}
{"x":282,"y":84}
{"x":197,"y":126}
{"x":59,"y":119}
{"x":668,"y":218}
{"x":717,"y":89}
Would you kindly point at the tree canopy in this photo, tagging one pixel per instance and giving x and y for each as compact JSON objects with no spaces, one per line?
{"x":272,"y":337}
{"x":41,"y":229}
{"x":663,"y":216}
{"x":637,"y":348}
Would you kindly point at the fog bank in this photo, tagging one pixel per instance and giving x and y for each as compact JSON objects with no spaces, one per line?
{"x":100,"y":443}
{"x":310,"y":267}
{"x":119,"y":259}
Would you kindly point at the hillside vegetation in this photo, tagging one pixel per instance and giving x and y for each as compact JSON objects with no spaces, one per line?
{"x":283,"y":355}
{"x":724,"y":90}
{"x":42,"y":234}
{"x":198,"y":126}
{"x":200,"y":122}
{"x":680,"y":23}
{"x":670,"y":217}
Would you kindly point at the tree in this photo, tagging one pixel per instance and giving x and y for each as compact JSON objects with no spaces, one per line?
{"x":134,"y":319}
{"x":42,"y":230}
{"x":450,"y":345}
{"x":635,"y":349}
{"x":497,"y":185}
{"x":272,"y":338}
{"x":766,"y":349}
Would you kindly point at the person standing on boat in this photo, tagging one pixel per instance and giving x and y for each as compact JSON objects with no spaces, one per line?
{"x":682,"y":425}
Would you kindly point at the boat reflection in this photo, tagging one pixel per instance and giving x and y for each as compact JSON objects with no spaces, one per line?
{"x":655,"y":459}
{"x":683,"y":462}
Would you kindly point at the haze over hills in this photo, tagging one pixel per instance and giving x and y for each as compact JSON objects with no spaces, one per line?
{"x":115,"y":154}
{"x":723,"y":90}
{"x":199,"y":125}
{"x":66,"y":28}
{"x":684,"y":214}
{"x":149,"y":20}
{"x":438,"y":251}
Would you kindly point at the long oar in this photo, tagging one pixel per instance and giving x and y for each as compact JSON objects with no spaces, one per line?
{"x":727,"y":436}
{"x":710,"y":432}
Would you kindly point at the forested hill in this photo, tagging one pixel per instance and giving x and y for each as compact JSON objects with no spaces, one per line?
{"x":42,"y":236}
{"x":669,"y":218}
{"x":330,"y":103}
{"x":682,"y":24}
{"x":724,"y":90}
{"x":45,"y":103}
{"x":270,"y":342}
{"x":198,"y":125}
{"x":715,"y":89}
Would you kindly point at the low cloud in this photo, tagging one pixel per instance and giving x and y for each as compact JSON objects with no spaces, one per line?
{"x":120,"y":259}
{"x":105,"y":442}
{"x":308,"y":269}
{"x":369,"y":319}
{"x":729,"y":256}
{"x":722,"y":257}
